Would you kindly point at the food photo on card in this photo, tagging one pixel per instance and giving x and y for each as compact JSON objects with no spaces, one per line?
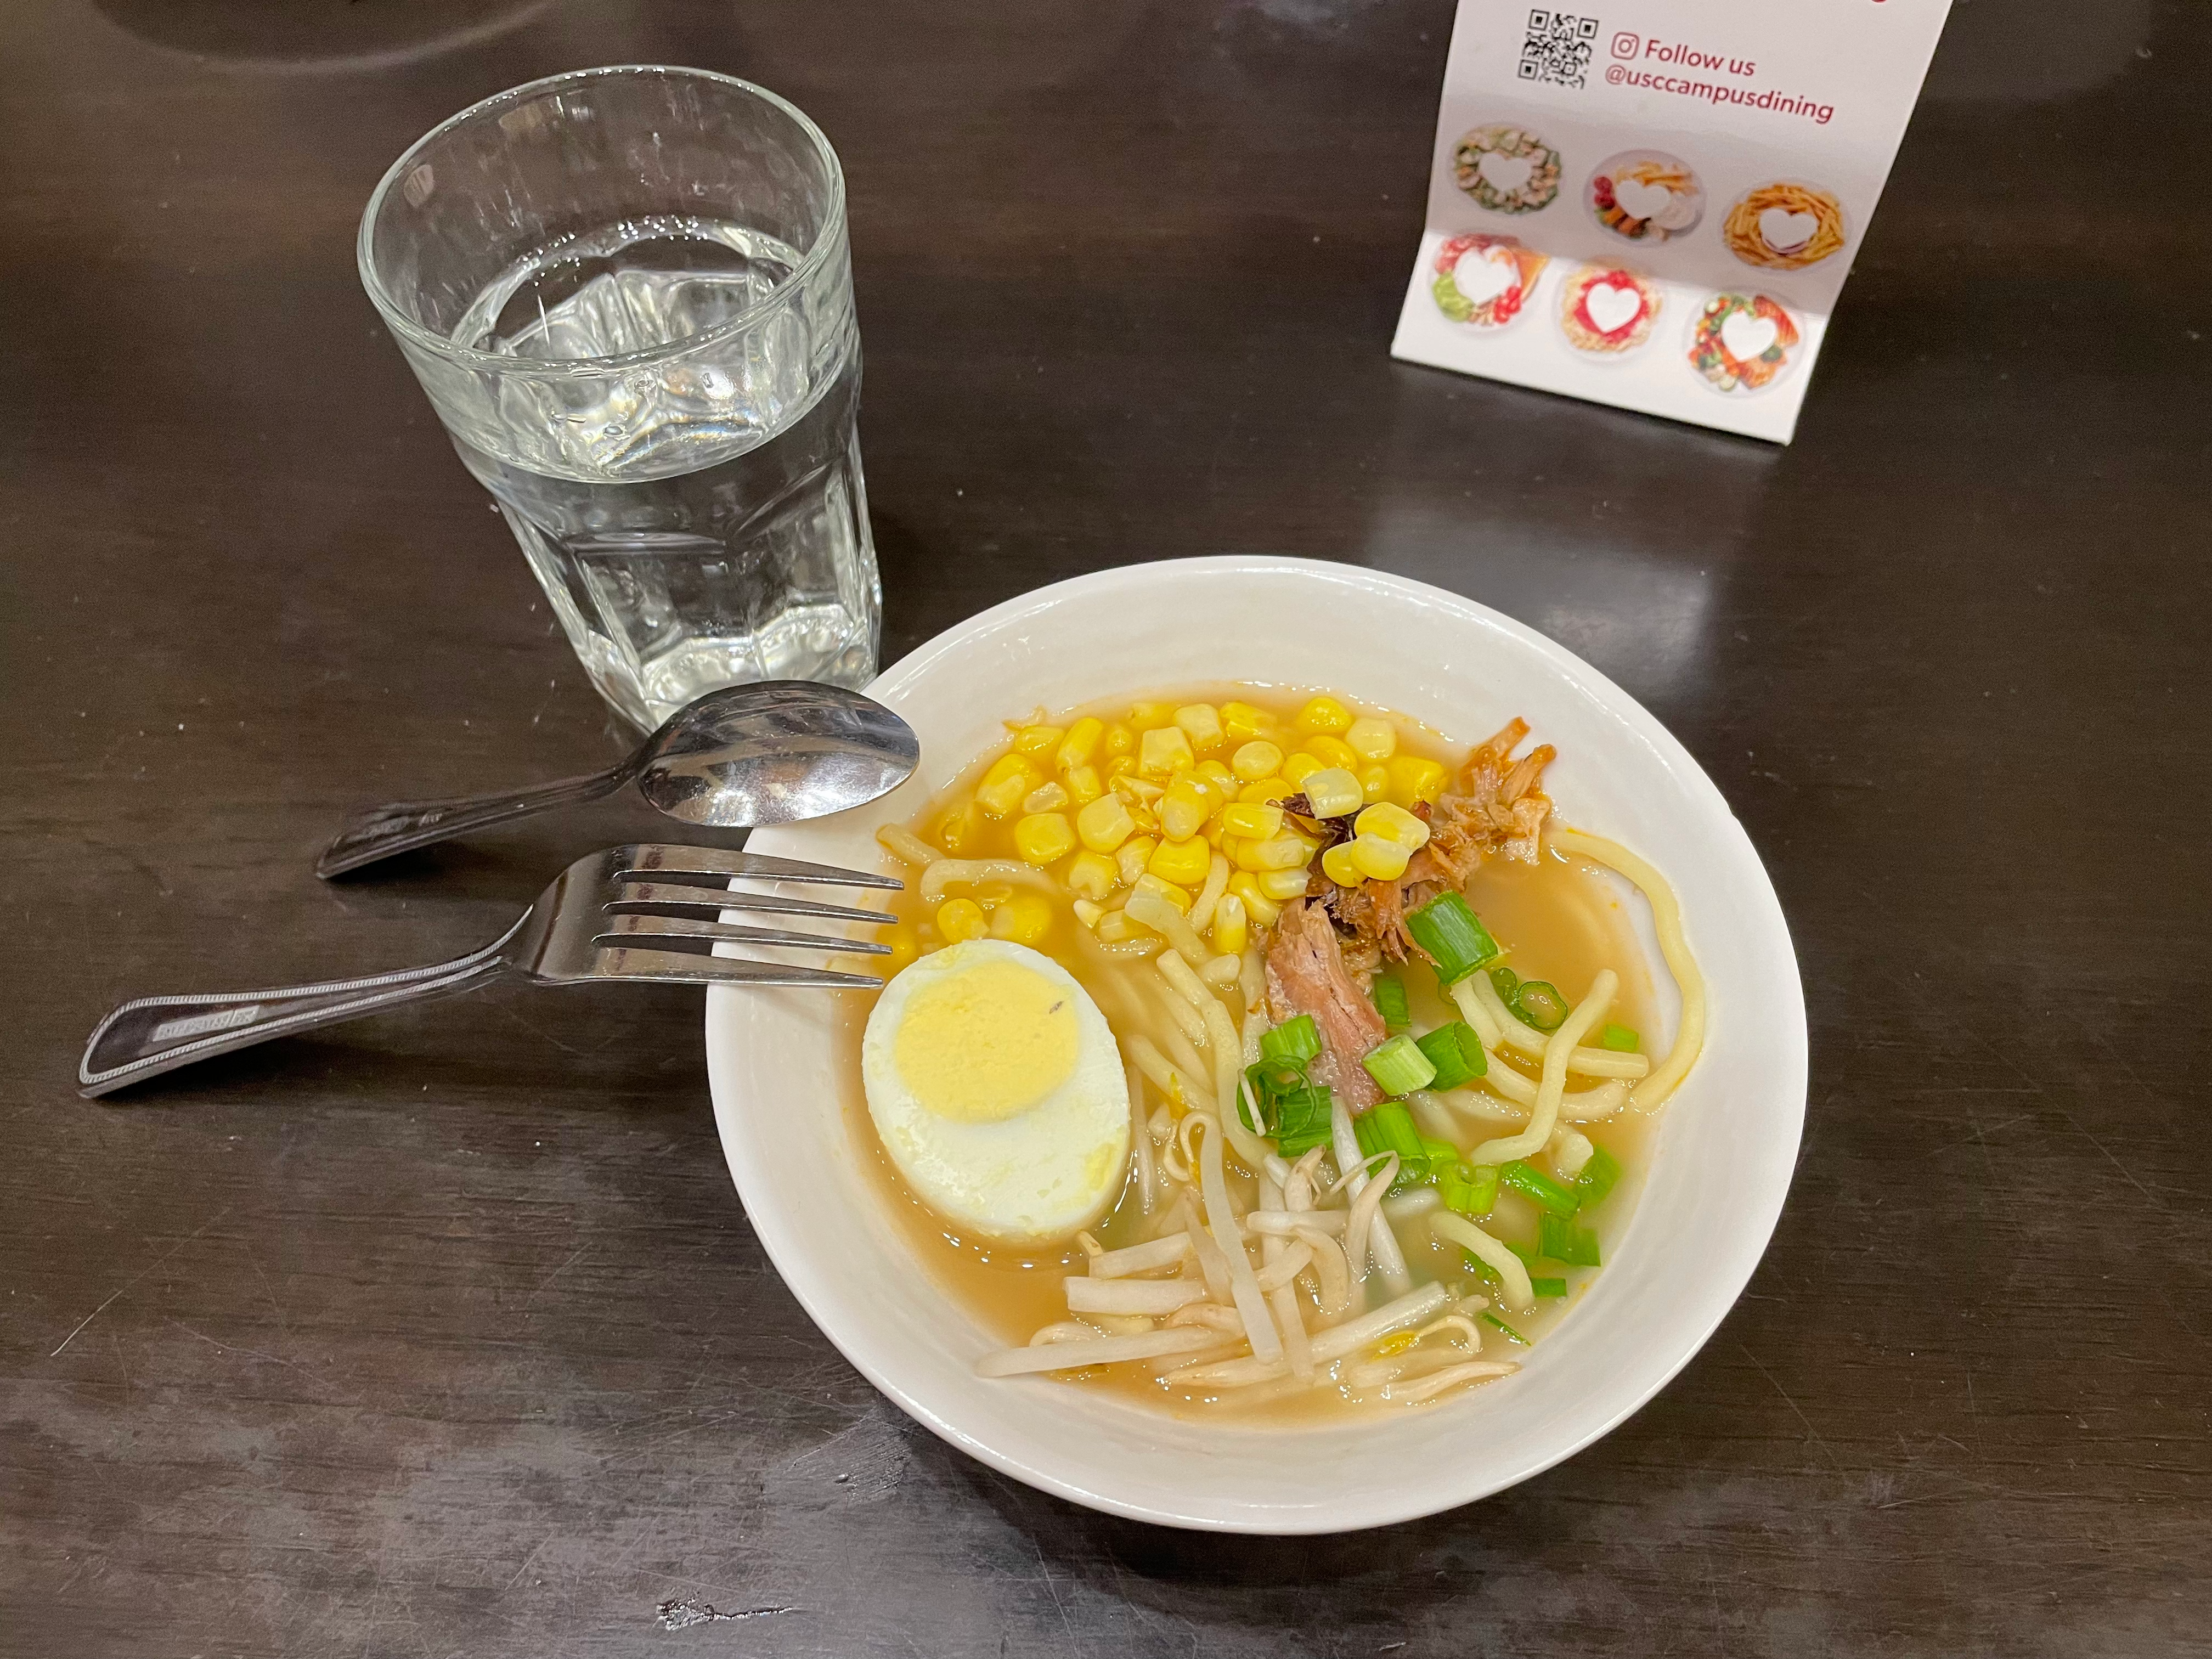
{"x":1655,"y":203}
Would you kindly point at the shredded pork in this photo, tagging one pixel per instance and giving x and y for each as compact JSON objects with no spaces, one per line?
{"x":1498,"y":810}
{"x":1307,"y":974}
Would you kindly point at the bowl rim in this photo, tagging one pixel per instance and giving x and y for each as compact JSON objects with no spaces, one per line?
{"x":1748,"y":1241}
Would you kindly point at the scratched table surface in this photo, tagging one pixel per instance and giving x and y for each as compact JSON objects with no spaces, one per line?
{"x":445,"y":1333}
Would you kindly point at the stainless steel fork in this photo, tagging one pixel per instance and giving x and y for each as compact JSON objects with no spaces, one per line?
{"x":631,"y":913}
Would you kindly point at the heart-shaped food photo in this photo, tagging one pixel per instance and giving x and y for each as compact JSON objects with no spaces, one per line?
{"x":1743,"y":342}
{"x":1646,"y":196}
{"x":1485,"y":282}
{"x":1606,"y":310}
{"x":1784,"y":226}
{"x":1506,"y":169}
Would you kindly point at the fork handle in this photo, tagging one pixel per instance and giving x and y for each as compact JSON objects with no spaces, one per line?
{"x":378,"y":832}
{"x":155,"y":1035}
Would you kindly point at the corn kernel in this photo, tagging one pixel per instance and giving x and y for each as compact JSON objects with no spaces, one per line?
{"x":1163,"y":752}
{"x":961,"y":919}
{"x":1324,"y":714}
{"x":1212,"y":833}
{"x":1120,"y":739}
{"x":1184,"y":808}
{"x":1166,"y":888}
{"x":961,"y":830}
{"x":1334,"y":792}
{"x":1151,"y":712}
{"x":1120,"y":766}
{"x":1092,"y":875}
{"x":1372,"y":739}
{"x":1336,"y":864}
{"x":1219,"y":777}
{"x":1081,"y":744}
{"x":1331,"y":751}
{"x":905,"y":948}
{"x":1262,"y":910}
{"x":1280,"y":852}
{"x":1044,"y":837}
{"x":1254,"y":820}
{"x":1085,"y":912}
{"x":1375,"y":780}
{"x":1379,"y":860}
{"x":1255,"y":760}
{"x":1300,"y":767}
{"x":1392,"y":823}
{"x":1083,"y":784}
{"x":1231,"y":932}
{"x":1283,"y":885}
{"x":1146,"y":819}
{"x":1026,"y":918}
{"x":1184,"y":862}
{"x":1045,"y":798}
{"x":1135,"y":790}
{"x":1412,"y":778}
{"x":1242,"y":722}
{"x":1038,"y":740}
{"x":1266,"y":790}
{"x":1201,"y":724}
{"x":1006,"y":785}
{"x":1105,"y":823}
{"x":1131,"y":858}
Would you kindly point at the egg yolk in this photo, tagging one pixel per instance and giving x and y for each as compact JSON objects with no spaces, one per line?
{"x":986,"y":1044}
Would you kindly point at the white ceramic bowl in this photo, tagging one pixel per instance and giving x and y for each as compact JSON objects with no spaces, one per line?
{"x":1715,"y":1184}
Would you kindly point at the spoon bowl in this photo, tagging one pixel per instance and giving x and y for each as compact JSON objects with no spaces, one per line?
{"x":774,"y":751}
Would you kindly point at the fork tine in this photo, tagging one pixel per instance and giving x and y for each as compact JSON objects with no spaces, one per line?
{"x":665,"y":898}
{"x":681,"y":967}
{"x":673,"y":864}
{"x":632,"y":929}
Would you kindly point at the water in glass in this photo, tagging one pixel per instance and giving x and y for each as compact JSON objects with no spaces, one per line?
{"x":696,"y":522}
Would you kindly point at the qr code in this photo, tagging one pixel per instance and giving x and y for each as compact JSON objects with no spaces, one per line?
{"x":1557,"y":50}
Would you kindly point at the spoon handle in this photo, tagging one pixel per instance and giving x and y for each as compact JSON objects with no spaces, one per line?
{"x":380,"y":831}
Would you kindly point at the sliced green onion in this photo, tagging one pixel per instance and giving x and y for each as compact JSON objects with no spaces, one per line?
{"x":1512,"y":1336}
{"x":1293,"y":1043}
{"x":1537,"y":1002}
{"x":1481,"y":1269}
{"x":1301,"y":1120}
{"x":1507,"y":982}
{"x":1562,"y":1240}
{"x":1369,"y":1135}
{"x":1456,"y":1052}
{"x":1598,"y":1178}
{"x":1439,"y":1151}
{"x":1621,"y":1039}
{"x":1534,"y":1184}
{"x":1467,"y":1190}
{"x":1547,"y":1286}
{"x":1275,"y":1077}
{"x":1398,"y":1066}
{"x":1394,"y":1126}
{"x":1453,"y":935}
{"x":1390,"y":1003}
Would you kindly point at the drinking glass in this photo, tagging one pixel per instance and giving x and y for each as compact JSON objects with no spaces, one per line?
{"x":629,"y":294}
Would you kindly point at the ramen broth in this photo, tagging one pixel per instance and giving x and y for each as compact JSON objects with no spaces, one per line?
{"x":1562,"y":919}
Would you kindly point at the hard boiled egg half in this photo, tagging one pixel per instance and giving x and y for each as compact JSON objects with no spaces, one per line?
{"x":998,"y":1091}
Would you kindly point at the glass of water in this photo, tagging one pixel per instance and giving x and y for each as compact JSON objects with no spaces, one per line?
{"x":629,"y":294}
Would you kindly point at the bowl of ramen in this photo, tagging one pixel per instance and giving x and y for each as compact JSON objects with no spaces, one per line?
{"x":1338,"y":1054}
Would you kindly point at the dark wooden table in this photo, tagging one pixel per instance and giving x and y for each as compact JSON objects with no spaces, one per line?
{"x":445,"y":1333}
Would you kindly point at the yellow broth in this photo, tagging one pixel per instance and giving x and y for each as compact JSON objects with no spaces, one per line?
{"x":1561,"y":919}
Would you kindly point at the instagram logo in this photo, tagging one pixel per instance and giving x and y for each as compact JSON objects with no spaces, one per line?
{"x":1625,"y":45}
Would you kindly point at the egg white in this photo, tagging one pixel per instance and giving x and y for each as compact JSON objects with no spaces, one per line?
{"x":1029,"y":1178}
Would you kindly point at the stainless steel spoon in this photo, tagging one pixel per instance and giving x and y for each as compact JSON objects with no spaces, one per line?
{"x":775,"y":752}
